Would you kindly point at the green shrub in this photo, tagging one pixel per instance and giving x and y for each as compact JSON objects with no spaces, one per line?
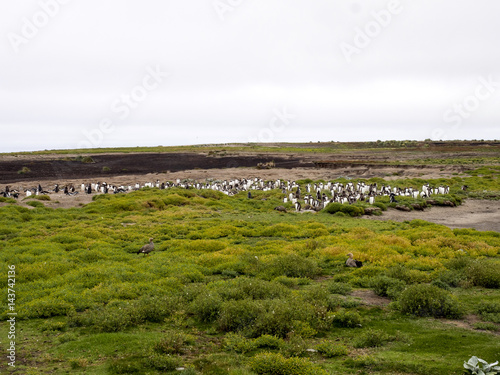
{"x":50,"y":325}
{"x":35,"y":204}
{"x":276,"y":364}
{"x":42,"y":197}
{"x":407,"y":275}
{"x":152,"y":309}
{"x":119,"y":315}
{"x":349,"y":303}
{"x":206,"y":306}
{"x":211,"y":194}
{"x":303,"y":329}
{"x":459,"y":263}
{"x":333,"y":302}
{"x":7,"y":200}
{"x":484,"y":273}
{"x":163,"y":362}
{"x":269,"y":342}
{"x":175,"y":200}
{"x":243,"y":288}
{"x":452,"y":278}
{"x":339,"y":288}
{"x":429,"y":300}
{"x":127,"y":365}
{"x":371,"y":338}
{"x":489,"y":311}
{"x":486,"y":326}
{"x":109,"y":319}
{"x":190,"y":276}
{"x":86,"y":159}
{"x":440,"y":284}
{"x":362,"y":361}
{"x":229,"y":274}
{"x":45,"y":308}
{"x":276,"y":320}
{"x":488,"y":307}
{"x":208,"y":246}
{"x":347,"y":319}
{"x":330,"y":349}
{"x":174,"y":342}
{"x":279,"y":317}
{"x":238,"y":343}
{"x":317,"y":295}
{"x":238,"y":315}
{"x":287,"y":281}
{"x":291,"y":265}
{"x":385,"y":286}
{"x":67,"y":337}
{"x":295,"y":346}
{"x":347,"y":209}
{"x":380,"y":205}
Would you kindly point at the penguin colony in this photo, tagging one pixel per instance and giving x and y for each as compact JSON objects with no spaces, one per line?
{"x":315,"y":197}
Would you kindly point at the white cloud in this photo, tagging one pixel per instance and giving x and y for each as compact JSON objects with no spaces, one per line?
{"x":228,"y":76}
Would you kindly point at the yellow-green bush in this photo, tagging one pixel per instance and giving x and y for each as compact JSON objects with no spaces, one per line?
{"x":276,"y":364}
{"x":238,"y":343}
{"x":238,"y":315}
{"x":206,"y":306}
{"x":484,"y":273}
{"x":429,"y":300}
{"x":347,"y":319}
{"x":330,"y":349}
{"x":174,"y":342}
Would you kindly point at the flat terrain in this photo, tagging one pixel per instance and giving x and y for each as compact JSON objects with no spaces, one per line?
{"x":477,"y":214}
{"x":305,"y":161}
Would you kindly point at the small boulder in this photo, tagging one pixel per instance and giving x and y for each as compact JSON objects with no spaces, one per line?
{"x":280,"y":209}
{"x":371,"y":210}
{"x":417,"y":206}
{"x":403,"y":208}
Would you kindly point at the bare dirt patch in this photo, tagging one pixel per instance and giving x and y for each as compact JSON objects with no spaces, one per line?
{"x":468,"y":323}
{"x":478,"y":214}
{"x":369,"y":298}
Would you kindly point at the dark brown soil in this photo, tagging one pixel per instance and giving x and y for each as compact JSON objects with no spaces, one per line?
{"x":110,"y":165}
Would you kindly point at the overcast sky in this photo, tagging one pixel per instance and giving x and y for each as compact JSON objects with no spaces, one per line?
{"x":108,"y":73}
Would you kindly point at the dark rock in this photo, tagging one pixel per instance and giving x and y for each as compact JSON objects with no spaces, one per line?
{"x":403,"y":208}
{"x":371,"y":210}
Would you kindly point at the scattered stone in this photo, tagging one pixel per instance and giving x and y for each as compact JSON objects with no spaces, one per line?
{"x":371,"y":210}
{"x":417,"y":206}
{"x":403,"y":208}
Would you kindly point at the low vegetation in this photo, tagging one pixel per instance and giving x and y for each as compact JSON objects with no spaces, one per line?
{"x":234,"y":287}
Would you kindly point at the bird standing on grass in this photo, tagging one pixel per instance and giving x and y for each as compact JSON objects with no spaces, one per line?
{"x":146,"y":249}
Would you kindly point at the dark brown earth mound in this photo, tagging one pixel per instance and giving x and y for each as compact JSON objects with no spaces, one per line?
{"x":112,"y":165}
